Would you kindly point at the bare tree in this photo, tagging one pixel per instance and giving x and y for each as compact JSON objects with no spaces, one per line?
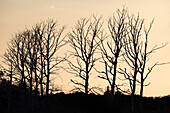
{"x":33,"y":53}
{"x":32,"y":47}
{"x":8,"y":60}
{"x":143,"y":58}
{"x":112,"y":49}
{"x":15,"y":56}
{"x":136,"y":55}
{"x":51,"y":39}
{"x":83,"y":40}
{"x":132,"y":49}
{"x":40,"y":29}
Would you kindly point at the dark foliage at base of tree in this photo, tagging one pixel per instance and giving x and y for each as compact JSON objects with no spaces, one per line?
{"x":17,"y":99}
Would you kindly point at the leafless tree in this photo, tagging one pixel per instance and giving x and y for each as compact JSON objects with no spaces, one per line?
{"x":132,"y":49}
{"x":33,"y":53}
{"x":136,"y":55}
{"x":15,"y":56}
{"x":39,"y":29}
{"x":143,"y":58}
{"x":112,"y":49}
{"x":50,"y":38}
{"x":32,"y":47}
{"x":83,"y":40}
{"x":8,"y":60}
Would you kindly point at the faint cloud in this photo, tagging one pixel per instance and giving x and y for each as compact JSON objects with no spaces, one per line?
{"x":52,"y":6}
{"x":57,"y":8}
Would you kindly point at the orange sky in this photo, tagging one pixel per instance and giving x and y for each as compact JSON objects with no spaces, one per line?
{"x":15,"y":15}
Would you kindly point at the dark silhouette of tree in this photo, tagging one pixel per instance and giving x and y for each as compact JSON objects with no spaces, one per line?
{"x":15,"y":57}
{"x":32,"y":60}
{"x":132,"y":49}
{"x":112,"y":48}
{"x":50,"y":41}
{"x":83,"y":40}
{"x":143,"y":58}
{"x":39,"y":30}
{"x":136,"y":56}
{"x":32,"y":54}
{"x":9,"y":62}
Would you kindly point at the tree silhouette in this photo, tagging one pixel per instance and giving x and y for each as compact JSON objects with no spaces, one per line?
{"x":32,"y":53}
{"x":83,"y":40}
{"x":112,"y":48}
{"x":8,"y":61}
{"x":132,"y":49}
{"x":15,"y":57}
{"x":52,"y":41}
{"x":136,"y":56}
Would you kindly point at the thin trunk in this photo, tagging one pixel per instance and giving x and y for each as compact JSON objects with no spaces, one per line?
{"x":41,"y":79}
{"x":87,"y":79}
{"x":36,"y":78}
{"x":31,"y":79}
{"x":132,"y":103}
{"x":9,"y":99}
{"x":114,"y":77}
{"x":11,"y":74}
{"x":31,"y":74}
{"x":36,"y":81}
{"x":113,"y":83}
{"x":35,"y":65}
{"x":134,"y":88}
{"x":47,"y":86}
{"x":9,"y":92}
{"x":142,"y":78}
{"x":41,"y":83}
{"x":132,"y":95}
{"x":42,"y":65}
{"x":48,"y":76}
{"x":48,"y":65}
{"x":22,"y":73}
{"x":141,"y":96}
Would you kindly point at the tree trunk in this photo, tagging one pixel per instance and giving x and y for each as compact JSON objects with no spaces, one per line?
{"x":31,"y":79}
{"x":47,"y":86}
{"x":22,"y":74}
{"x":42,"y":66}
{"x":41,"y":84}
{"x":35,"y":65}
{"x":36,"y":82}
{"x":114,"y":78}
{"x":11,"y":74}
{"x":141,"y":95}
{"x":48,"y":66}
{"x":9,"y":92}
{"x":87,"y":79}
{"x":36,"y":78}
{"x":132,"y":103}
{"x":48,"y":76}
{"x":41,"y":79}
{"x":133,"y":90}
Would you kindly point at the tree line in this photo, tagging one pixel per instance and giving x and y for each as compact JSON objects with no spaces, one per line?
{"x":31,"y":56}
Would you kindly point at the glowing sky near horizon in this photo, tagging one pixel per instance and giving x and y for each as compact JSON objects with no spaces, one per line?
{"x":16,"y":15}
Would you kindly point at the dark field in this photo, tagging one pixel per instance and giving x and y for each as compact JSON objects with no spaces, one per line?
{"x":17,"y":99}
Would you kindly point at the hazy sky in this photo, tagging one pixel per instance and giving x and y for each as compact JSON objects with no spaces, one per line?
{"x":15,"y":15}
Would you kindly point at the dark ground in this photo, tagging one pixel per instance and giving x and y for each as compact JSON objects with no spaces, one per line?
{"x":20,"y":100}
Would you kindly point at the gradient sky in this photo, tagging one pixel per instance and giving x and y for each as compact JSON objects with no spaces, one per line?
{"x":16,"y":15}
